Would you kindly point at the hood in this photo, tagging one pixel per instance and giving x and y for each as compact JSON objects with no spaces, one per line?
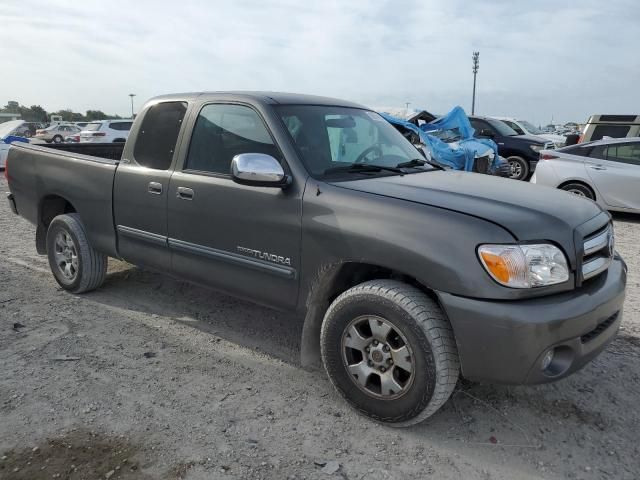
{"x":529,"y":139}
{"x":528,"y":211}
{"x":554,"y":138}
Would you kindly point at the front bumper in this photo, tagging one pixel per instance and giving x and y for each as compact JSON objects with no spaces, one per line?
{"x":505,"y":341}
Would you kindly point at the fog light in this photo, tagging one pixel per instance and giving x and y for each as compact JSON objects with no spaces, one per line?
{"x":547,"y":359}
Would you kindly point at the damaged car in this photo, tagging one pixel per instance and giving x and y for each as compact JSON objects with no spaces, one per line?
{"x":449,"y":141}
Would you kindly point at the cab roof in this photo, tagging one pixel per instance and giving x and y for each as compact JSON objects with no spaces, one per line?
{"x":269,"y":98}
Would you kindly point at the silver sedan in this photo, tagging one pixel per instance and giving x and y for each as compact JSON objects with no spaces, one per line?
{"x":606,"y":171}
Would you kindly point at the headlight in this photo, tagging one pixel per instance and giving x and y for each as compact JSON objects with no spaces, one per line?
{"x":536,"y":148}
{"x":524,"y":266}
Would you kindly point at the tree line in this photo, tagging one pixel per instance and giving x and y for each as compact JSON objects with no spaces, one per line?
{"x":35,"y":113}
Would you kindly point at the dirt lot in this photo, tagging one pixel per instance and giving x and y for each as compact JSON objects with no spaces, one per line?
{"x":153,"y":378}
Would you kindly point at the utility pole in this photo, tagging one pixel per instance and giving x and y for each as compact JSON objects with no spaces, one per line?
{"x":476,"y":64}
{"x":132,"y":95}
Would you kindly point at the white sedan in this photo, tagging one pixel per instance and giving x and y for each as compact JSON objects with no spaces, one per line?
{"x":606,"y":171}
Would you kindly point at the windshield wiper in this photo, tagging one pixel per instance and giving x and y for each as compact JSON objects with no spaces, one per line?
{"x":418,"y":162}
{"x":363,"y":168}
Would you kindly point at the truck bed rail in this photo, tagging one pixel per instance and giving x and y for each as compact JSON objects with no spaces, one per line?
{"x":110,"y":153}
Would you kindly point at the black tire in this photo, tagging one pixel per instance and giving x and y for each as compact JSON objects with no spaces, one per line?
{"x":579,"y":189}
{"x":90,"y":265}
{"x":57,"y":139}
{"x":427,"y":335}
{"x":519,"y":168}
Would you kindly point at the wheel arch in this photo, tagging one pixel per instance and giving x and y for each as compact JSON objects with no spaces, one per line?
{"x":50,"y":206}
{"x":580,"y":182}
{"x":329,"y":283}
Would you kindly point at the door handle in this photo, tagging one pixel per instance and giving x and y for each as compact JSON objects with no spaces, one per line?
{"x":597,"y":167}
{"x":155,"y":188}
{"x":184,"y":193}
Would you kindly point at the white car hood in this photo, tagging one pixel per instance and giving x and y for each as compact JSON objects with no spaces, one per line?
{"x":554,"y":138}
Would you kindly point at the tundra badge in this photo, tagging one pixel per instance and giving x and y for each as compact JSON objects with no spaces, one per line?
{"x":264,"y":255}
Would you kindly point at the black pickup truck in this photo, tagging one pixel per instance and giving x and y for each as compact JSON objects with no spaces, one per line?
{"x":407,"y":276}
{"x":521,"y":151}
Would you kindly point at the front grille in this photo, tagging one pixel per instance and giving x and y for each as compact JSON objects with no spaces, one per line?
{"x":602,"y":326}
{"x":598,"y":252}
{"x":481,"y":165}
{"x":549,"y":146}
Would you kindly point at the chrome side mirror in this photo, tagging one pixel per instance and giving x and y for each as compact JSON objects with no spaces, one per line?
{"x":258,"y":169}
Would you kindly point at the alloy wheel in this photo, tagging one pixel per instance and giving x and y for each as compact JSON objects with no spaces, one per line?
{"x":378,"y":357}
{"x":516,"y":169}
{"x":66,"y":256}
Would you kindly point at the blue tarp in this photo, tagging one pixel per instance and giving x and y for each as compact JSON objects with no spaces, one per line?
{"x":450,"y":140}
{"x":14,"y":138}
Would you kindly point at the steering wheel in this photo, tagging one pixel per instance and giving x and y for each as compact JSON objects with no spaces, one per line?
{"x":363,"y":155}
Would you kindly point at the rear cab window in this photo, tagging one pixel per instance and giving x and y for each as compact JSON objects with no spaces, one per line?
{"x":158,"y":134}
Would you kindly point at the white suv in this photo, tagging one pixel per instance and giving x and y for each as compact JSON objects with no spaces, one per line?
{"x":106,"y":131}
{"x":522,"y":127}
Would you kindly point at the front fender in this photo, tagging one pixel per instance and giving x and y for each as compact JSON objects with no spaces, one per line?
{"x":435,"y":246}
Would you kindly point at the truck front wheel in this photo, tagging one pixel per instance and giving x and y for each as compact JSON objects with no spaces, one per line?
{"x":75,"y":264}
{"x":390,"y":351}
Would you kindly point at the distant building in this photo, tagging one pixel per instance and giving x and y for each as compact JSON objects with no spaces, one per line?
{"x":5,"y":117}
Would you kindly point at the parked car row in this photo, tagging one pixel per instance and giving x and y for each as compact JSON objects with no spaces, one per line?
{"x":600,"y":168}
{"x":102,"y":131}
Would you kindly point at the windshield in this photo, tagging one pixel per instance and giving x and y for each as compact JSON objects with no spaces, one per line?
{"x":93,"y":127}
{"x":329,"y":137}
{"x":533,"y":130}
{"x":502,"y":128}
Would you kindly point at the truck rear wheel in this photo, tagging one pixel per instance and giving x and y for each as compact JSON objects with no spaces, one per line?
{"x":75,"y":264}
{"x":390,"y":351}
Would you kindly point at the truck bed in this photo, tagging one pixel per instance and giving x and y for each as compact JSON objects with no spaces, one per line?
{"x":110,"y":151}
{"x":82,"y":174}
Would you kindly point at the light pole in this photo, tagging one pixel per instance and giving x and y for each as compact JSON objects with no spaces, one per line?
{"x":133,"y":95}
{"x":476,"y":64}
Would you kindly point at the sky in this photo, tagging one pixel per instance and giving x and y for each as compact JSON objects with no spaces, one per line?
{"x":538,"y":60}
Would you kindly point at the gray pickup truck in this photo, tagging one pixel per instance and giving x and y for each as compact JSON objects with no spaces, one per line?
{"x":407,"y":276}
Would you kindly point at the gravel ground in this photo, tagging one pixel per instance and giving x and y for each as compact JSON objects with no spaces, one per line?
{"x":149,"y":377}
